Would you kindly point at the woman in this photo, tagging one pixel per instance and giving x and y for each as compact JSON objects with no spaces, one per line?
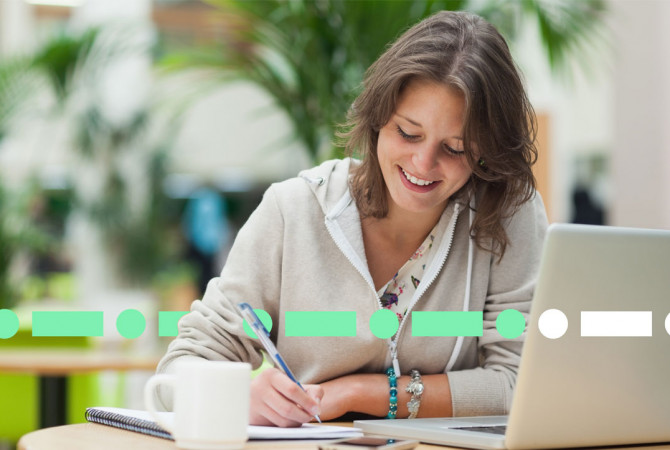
{"x":440,"y":215}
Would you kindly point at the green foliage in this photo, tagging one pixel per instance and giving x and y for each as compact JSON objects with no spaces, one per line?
{"x":135,"y":240}
{"x":17,"y":87}
{"x":310,"y":56}
{"x":140,"y":244}
{"x":567,"y":28}
{"x":71,"y":67}
{"x":60,"y":57}
{"x":22,"y":77}
{"x":17,"y":233}
{"x":58,"y":285}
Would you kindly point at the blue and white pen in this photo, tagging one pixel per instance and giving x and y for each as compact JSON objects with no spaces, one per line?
{"x":264,"y":336}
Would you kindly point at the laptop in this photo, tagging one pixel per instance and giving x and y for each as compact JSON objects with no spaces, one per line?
{"x":605,"y":380}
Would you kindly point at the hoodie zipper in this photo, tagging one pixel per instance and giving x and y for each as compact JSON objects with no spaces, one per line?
{"x":423,"y":287}
{"x":342,"y":243}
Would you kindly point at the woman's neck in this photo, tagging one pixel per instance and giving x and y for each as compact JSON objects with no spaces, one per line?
{"x":403,"y":228}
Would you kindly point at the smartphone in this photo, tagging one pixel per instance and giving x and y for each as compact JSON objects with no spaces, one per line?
{"x":370,"y":443}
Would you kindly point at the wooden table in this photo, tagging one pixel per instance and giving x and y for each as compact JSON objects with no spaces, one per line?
{"x":53,"y":366}
{"x":85,"y":436}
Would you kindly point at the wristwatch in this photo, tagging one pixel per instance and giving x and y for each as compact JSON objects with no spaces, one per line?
{"x":415,"y":387}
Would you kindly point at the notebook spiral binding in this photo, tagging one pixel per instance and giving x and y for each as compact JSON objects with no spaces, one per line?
{"x":127,"y":423}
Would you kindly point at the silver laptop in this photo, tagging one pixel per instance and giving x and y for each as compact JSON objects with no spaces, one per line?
{"x":605,"y":380}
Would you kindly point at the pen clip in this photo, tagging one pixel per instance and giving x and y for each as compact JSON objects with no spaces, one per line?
{"x":264,"y":336}
{"x":252,"y":319}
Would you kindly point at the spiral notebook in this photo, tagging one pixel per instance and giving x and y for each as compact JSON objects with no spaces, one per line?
{"x":143,"y":422}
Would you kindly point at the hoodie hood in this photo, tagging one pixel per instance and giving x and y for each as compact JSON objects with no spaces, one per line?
{"x":329,"y":181}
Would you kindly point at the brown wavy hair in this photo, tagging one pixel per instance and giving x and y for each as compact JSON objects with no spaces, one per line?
{"x":464,"y":52}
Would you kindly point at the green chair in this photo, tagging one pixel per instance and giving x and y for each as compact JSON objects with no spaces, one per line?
{"x":19,"y":393}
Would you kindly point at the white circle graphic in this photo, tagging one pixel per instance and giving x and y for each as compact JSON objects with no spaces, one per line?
{"x":667,"y":323}
{"x":553,"y":323}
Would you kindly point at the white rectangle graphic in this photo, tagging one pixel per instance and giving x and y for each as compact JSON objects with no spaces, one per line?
{"x":616,"y":323}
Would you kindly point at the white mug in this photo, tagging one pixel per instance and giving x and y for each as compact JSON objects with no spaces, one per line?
{"x":211,"y":403}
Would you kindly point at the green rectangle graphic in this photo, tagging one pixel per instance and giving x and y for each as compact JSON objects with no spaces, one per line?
{"x":68,"y":323}
{"x":447,"y":323}
{"x":168,"y":321}
{"x":320,"y":323}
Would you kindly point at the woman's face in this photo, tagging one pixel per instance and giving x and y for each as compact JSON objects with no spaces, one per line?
{"x":420,"y":149}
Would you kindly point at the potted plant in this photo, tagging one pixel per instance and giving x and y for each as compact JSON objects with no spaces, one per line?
{"x":124,"y":207}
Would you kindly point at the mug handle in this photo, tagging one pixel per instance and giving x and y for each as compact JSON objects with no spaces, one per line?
{"x":149,"y":390}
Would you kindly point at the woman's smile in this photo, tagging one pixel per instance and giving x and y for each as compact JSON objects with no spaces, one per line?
{"x":416,"y":184}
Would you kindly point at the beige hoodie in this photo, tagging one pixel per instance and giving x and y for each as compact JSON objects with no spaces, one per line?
{"x":302,"y":250}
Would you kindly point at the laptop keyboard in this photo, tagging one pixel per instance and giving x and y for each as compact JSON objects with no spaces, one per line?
{"x":497,"y":429}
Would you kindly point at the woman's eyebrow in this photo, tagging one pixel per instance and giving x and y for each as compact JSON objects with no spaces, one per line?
{"x":409,"y":120}
{"x":458,"y":138}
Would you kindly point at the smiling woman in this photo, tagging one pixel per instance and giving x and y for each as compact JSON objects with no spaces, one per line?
{"x":419,"y":225}
{"x":465,"y":68}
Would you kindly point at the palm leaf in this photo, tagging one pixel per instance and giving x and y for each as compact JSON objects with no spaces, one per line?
{"x":567,"y":28}
{"x":60,"y":57}
{"x":310,"y":56}
{"x":18,"y":85}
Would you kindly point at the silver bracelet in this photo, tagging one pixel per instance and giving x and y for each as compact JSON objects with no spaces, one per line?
{"x":415,"y":387}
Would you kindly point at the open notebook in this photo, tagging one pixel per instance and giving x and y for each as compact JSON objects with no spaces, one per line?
{"x":142,"y":422}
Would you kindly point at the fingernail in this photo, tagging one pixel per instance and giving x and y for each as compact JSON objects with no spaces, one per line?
{"x":315,"y":411}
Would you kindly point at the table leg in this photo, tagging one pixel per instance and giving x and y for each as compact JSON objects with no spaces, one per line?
{"x":53,"y":401}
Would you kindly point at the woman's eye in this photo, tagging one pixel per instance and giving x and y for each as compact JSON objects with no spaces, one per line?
{"x":408,"y":137}
{"x":453,"y":151}
{"x":414,"y":138}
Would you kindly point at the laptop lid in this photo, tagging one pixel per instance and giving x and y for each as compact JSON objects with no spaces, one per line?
{"x":606,"y":381}
{"x":601,"y":377}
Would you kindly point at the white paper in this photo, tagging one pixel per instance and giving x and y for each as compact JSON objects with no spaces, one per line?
{"x":307,"y":431}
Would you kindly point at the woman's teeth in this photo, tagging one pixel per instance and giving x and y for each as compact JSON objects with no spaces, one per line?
{"x":414,"y":180}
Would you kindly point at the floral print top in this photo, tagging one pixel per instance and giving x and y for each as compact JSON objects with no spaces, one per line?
{"x":398,"y":293}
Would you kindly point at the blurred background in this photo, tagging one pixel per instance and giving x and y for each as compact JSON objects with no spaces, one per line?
{"x":136,"y":137}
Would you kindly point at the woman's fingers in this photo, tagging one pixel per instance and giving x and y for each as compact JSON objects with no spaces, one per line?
{"x":315,"y":391}
{"x":277,"y":400}
{"x":289,"y":413}
{"x":295,"y":393}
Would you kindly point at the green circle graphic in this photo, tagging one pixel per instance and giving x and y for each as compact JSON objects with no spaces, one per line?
{"x":384,"y":323}
{"x":510,"y":323}
{"x":9,"y":323}
{"x":266,"y":320}
{"x":131,"y":324}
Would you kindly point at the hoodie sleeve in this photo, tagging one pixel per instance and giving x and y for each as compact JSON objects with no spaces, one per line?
{"x":213,"y":329}
{"x":488,"y":389}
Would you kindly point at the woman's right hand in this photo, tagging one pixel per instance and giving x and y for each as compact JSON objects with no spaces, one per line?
{"x":278,"y":401}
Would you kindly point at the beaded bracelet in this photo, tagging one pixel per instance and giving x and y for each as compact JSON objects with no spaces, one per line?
{"x":393,"y":393}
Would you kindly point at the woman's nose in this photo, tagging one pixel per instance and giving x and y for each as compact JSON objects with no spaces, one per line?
{"x":425,"y":157}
